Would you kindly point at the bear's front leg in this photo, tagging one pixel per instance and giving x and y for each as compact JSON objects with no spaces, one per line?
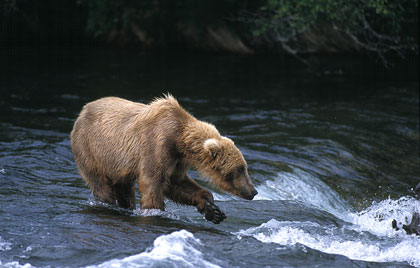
{"x":187,"y":192}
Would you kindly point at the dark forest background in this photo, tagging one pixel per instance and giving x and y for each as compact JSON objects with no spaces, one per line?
{"x":385,"y":31}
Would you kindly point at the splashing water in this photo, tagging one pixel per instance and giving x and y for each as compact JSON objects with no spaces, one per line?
{"x":156,"y":212}
{"x":177,"y":249}
{"x":302,"y":186}
{"x":377,"y":218}
{"x":15,"y":264}
{"x":353,"y":240}
{"x":4,"y":245}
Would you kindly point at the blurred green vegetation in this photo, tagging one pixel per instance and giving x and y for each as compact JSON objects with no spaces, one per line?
{"x":302,"y":26}
{"x":152,"y":15}
{"x":380,"y":27}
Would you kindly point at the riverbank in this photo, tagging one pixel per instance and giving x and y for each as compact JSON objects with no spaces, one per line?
{"x":382,"y":32}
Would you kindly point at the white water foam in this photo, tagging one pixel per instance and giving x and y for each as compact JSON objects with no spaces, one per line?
{"x":138,"y":211}
{"x":377,"y":218}
{"x":224,"y":197}
{"x":4,"y":245}
{"x":156,"y":212}
{"x":177,"y":249}
{"x":302,"y":186}
{"x":387,"y":245}
{"x":15,"y":264}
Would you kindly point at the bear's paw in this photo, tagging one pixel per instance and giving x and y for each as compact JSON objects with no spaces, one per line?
{"x":213,"y":213}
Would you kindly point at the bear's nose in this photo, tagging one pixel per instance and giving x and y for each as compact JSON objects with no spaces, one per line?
{"x":254,"y":193}
{"x":249,"y":195}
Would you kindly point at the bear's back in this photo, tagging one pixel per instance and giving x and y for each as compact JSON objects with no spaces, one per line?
{"x":114,"y":134}
{"x":111,"y":108}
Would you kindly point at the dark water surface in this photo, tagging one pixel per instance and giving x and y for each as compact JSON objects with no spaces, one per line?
{"x":333,"y":153}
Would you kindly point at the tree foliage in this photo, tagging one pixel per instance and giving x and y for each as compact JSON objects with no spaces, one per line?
{"x":378,"y":26}
{"x":160,"y":21}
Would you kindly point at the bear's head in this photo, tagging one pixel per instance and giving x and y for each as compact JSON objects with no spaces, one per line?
{"x":227,"y":168}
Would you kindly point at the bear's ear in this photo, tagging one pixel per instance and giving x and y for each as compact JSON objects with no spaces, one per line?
{"x":212,"y":146}
{"x":227,"y":139}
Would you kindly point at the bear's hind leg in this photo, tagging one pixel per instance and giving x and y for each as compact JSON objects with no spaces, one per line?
{"x":125,"y":194}
{"x":100,"y":187}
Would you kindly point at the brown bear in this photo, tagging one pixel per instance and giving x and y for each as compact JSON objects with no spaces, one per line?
{"x":117,"y":142}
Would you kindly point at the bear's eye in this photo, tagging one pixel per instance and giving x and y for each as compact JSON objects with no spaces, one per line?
{"x":229,"y":177}
{"x":240,"y":170}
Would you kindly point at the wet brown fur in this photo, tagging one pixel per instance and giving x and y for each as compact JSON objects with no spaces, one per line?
{"x":117,"y":142}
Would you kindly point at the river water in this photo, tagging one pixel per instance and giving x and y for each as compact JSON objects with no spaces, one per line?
{"x":333,"y":152}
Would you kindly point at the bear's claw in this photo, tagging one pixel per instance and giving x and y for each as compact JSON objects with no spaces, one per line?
{"x":213,"y":213}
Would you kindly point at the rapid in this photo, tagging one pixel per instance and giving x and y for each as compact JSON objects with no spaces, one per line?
{"x":334,"y":158}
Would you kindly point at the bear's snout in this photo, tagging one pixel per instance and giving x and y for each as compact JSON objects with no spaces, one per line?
{"x":249,"y":195}
{"x":254,"y":193}
{"x":246,"y":189}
